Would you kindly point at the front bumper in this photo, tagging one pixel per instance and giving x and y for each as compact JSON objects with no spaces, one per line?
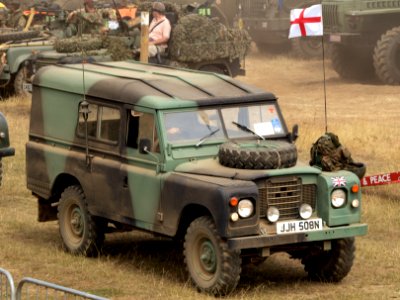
{"x":266,"y":241}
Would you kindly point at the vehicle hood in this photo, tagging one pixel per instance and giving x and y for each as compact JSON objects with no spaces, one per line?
{"x":212,"y":167}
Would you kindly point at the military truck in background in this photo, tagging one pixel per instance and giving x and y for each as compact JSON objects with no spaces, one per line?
{"x":191,"y":155}
{"x":268,"y":23}
{"x":197,"y":42}
{"x":365,"y":38}
{"x":5,"y":149}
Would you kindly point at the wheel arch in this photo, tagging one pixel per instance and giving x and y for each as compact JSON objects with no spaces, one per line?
{"x":19,"y":63}
{"x":189,"y":213}
{"x":61,"y":182}
{"x":47,"y":208}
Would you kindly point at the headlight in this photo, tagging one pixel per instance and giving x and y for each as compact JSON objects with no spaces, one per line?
{"x":273,"y":214}
{"x":305,"y":211}
{"x":245,"y":208}
{"x":338,"y":198}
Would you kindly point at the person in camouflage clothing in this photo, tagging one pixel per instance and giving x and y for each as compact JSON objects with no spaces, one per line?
{"x":86,"y":20}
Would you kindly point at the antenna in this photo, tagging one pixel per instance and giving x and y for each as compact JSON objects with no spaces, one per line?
{"x":83,"y":56}
{"x":84,"y":106}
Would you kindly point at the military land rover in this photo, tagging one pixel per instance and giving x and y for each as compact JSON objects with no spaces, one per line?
{"x":5,"y":149}
{"x":187,"y":154}
{"x":365,"y":38}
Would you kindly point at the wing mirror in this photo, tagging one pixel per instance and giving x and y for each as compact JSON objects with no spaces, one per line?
{"x":144,"y":146}
{"x":294,"y":134}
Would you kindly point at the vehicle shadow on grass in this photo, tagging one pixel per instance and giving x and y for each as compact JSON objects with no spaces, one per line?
{"x":277,"y":271}
{"x":164,"y":257}
{"x":148,"y":253}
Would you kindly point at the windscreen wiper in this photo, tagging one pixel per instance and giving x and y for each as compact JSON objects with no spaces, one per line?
{"x":204,"y":138}
{"x":247,"y":129}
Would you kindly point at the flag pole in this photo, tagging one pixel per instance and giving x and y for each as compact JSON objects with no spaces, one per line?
{"x":299,"y":18}
{"x":324,"y":71}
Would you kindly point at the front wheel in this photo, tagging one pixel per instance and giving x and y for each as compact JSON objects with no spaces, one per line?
{"x":307,"y":47}
{"x":332,"y":265}
{"x":387,"y":57}
{"x":81,"y":233}
{"x":212,"y":266}
{"x":21,"y":82}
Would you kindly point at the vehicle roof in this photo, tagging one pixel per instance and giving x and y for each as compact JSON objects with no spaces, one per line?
{"x":148,"y":85}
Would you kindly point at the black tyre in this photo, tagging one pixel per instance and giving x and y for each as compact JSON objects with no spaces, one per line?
{"x":387,"y":57}
{"x":307,"y":47}
{"x":213,"y":69}
{"x":18,"y":36}
{"x":20,"y":80}
{"x":332,"y":265}
{"x":1,"y":171}
{"x":350,"y":63}
{"x":212,"y":266}
{"x":268,"y":155}
{"x":80,"y":232}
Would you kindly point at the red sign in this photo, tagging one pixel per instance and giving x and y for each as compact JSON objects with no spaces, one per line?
{"x":381,"y":179}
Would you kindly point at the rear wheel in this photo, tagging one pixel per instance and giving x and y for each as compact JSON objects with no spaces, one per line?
{"x":81,"y":233}
{"x":332,"y":265}
{"x":351,"y":63}
{"x":212,"y":266}
{"x":387,"y":57}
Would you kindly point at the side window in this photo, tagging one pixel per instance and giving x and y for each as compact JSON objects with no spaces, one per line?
{"x":103,"y":123}
{"x":141,"y":126}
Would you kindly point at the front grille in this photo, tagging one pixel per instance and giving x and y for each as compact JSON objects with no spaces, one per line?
{"x":287,"y":194}
{"x":253,"y":8}
{"x":330,"y":15}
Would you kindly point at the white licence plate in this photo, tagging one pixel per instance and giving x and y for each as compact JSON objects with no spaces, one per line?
{"x":27,"y":87}
{"x":299,"y":226}
{"x":264,"y":25}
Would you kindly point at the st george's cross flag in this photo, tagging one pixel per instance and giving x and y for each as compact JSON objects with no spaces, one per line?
{"x":306,"y":22}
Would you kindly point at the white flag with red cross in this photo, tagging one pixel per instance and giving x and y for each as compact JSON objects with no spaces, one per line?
{"x":306,"y":22}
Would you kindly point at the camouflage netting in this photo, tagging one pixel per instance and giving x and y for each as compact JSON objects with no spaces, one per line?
{"x":77,"y":44}
{"x":147,"y":5}
{"x":117,"y":48}
{"x":193,"y":34}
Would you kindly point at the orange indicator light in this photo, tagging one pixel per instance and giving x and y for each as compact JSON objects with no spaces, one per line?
{"x":234,"y":201}
{"x":355,"y":188}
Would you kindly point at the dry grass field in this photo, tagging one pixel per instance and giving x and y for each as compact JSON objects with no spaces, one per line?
{"x":139,"y":266}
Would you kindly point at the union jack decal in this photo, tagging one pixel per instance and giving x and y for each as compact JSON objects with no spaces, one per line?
{"x":338,"y":181}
